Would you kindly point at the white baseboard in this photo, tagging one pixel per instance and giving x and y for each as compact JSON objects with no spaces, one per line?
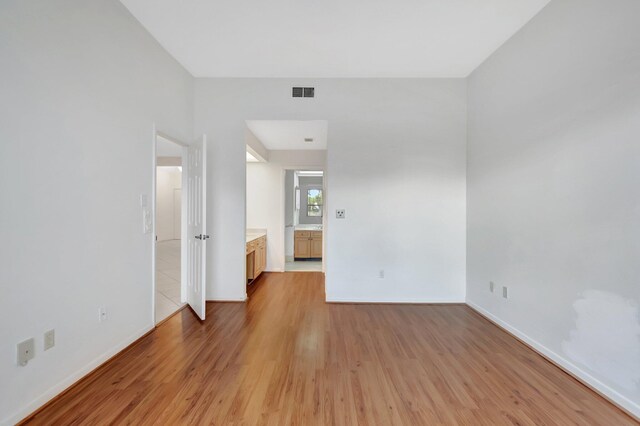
{"x":244,"y":299}
{"x":587,"y":379}
{"x":356,"y":300}
{"x":71,"y":379}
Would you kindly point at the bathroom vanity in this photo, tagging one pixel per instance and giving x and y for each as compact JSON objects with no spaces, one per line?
{"x":256,"y":254}
{"x":307,"y":243}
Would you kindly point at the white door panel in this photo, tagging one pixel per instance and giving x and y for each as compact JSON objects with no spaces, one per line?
{"x":196,"y":238}
{"x":177,"y":213}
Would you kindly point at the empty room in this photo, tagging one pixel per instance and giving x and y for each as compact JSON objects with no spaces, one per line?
{"x":320,"y":213}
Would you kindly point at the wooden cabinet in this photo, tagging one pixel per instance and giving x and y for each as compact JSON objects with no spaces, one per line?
{"x":307,"y":245}
{"x":261,"y":255}
{"x":302,"y":248}
{"x":256,"y":257}
{"x":316,"y":245}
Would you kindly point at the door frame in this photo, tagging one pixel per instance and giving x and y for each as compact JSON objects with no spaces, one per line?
{"x":183,"y":223}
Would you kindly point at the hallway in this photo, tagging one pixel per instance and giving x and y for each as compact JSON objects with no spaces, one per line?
{"x":167,"y":278}
{"x":287,"y":357}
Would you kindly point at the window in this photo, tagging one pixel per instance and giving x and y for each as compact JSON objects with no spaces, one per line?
{"x":314,"y":202}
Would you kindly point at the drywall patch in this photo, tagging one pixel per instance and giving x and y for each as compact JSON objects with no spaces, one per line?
{"x":607,"y":337}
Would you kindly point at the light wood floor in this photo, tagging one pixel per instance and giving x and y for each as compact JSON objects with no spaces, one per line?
{"x":286,"y":357}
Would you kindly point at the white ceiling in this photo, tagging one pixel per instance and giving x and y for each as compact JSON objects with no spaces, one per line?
{"x":290,"y":134}
{"x":332,"y":38}
{"x":166,"y":148}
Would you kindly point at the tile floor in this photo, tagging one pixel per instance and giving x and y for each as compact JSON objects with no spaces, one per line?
{"x":303,"y":265}
{"x":167,"y":278}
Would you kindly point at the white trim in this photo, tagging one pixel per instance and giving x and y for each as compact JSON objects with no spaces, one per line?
{"x":154,"y":172}
{"x":226,"y":300}
{"x":72,"y":379}
{"x":581,"y":375}
{"x":394,"y":302}
{"x":184,"y":198}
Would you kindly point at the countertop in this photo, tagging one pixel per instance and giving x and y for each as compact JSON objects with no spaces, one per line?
{"x":308,"y":227}
{"x":255,"y":235}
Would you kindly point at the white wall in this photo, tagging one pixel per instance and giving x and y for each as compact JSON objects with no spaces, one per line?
{"x":82,"y":84}
{"x":553,"y":199}
{"x":405,"y":137}
{"x":264,"y":209}
{"x":168,"y":179}
{"x":266,"y":198}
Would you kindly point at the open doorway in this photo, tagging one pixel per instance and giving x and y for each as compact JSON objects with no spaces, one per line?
{"x":168,"y":228}
{"x":277,"y":153}
{"x":303,"y":216}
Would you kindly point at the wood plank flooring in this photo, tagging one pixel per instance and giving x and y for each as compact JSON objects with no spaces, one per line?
{"x":288,"y":358}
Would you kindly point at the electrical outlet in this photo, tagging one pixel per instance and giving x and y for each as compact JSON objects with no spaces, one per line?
{"x":381,"y":273}
{"x":340,"y":214}
{"x":102,"y":314}
{"x":26,"y":351}
{"x":491,"y":286}
{"x":504,"y":292}
{"x":49,"y":339}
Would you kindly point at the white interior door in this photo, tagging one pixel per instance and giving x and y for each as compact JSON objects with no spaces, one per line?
{"x":196,"y":238}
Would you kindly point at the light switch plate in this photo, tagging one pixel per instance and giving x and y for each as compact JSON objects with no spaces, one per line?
{"x":340,"y":214}
{"x":146,"y":220}
{"x":504,"y":292}
{"x":26,"y":351}
{"x":49,"y":339}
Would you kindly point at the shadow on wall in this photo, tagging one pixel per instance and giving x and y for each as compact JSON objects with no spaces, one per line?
{"x":607,"y":337}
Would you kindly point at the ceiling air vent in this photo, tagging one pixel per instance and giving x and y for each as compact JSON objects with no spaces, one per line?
{"x":303,"y":92}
